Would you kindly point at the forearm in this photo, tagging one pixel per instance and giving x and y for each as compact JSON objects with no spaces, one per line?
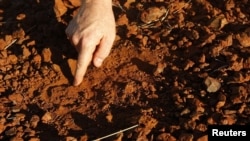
{"x":104,"y":3}
{"x":95,"y":6}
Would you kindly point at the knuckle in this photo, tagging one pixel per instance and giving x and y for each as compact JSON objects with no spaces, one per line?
{"x":74,"y":39}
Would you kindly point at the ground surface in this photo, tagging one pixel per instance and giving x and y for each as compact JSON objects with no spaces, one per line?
{"x":175,"y":67}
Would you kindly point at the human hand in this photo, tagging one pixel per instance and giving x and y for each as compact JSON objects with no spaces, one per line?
{"x":92,"y":32}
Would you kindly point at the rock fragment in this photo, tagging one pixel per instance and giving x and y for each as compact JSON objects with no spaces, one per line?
{"x":59,"y":8}
{"x":20,"y":16}
{"x":47,"y":117}
{"x":46,"y":55}
{"x":165,"y":136}
{"x":219,"y":22}
{"x":69,"y":138}
{"x":75,"y":3}
{"x":152,"y":14}
{"x":34,"y":121}
{"x":213,"y":85}
{"x":243,"y":39}
{"x":72,"y":64}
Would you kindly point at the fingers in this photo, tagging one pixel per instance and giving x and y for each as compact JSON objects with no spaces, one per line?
{"x":86,"y":45}
{"x":102,"y":51}
{"x":86,"y":52}
{"x":84,"y":58}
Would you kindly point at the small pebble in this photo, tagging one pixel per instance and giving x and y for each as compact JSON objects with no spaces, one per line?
{"x":213,"y":85}
{"x":34,"y":121}
{"x":20,"y":16}
{"x":70,"y":138}
{"x":12,"y":131}
{"x":46,"y":117}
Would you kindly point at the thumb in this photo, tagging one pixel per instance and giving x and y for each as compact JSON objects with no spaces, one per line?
{"x":102,"y":51}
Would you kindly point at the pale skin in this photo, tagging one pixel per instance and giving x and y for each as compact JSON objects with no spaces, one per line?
{"x":92,"y":32}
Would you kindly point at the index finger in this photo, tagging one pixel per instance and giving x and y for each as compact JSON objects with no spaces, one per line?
{"x":84,"y":58}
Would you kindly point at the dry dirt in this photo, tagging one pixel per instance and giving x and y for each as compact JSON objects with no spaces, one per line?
{"x":175,"y":67}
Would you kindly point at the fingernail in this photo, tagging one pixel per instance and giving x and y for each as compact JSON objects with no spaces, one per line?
{"x":98,"y":62}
